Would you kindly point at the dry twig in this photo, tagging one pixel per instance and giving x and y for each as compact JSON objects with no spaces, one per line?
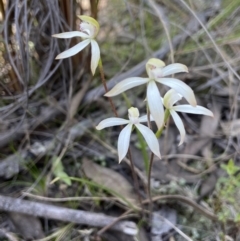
{"x":9,"y":204}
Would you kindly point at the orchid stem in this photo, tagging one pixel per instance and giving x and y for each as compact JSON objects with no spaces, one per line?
{"x":126,"y":100}
{"x":149,"y":184}
{"x":158,"y":134}
{"x":166,"y":116}
{"x":135,"y":179}
{"x":105,"y":86}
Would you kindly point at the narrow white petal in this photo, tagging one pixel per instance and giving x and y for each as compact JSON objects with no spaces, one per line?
{"x":113,"y":121}
{"x":179,"y":125}
{"x":150,"y":138}
{"x":181,"y":88}
{"x":74,"y":50}
{"x":123,"y":141}
{"x":193,"y":110}
{"x":95,"y":56}
{"x":126,"y":85}
{"x":70,"y":35}
{"x":144,"y":118}
{"x":170,"y":98}
{"x":155,"y":103}
{"x":174,"y":68}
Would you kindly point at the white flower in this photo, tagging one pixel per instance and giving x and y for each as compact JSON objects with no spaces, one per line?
{"x":170,"y":98}
{"x":156,"y":70}
{"x":89,"y":28}
{"x":124,"y":137}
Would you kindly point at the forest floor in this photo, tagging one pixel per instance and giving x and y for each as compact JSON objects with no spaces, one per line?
{"x":60,"y":177}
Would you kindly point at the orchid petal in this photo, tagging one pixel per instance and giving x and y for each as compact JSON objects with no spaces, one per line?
{"x":133,"y":114}
{"x":74,"y":50}
{"x":155,"y":103}
{"x":88,"y":29}
{"x":126,"y":85}
{"x":91,"y":21}
{"x":170,"y":98}
{"x":123,"y":141}
{"x":113,"y":121}
{"x":71,"y":35}
{"x":180,"y":87}
{"x":95,"y":56}
{"x":179,"y":125}
{"x":153,"y":63}
{"x":144,"y":118}
{"x":150,"y":138}
{"x":173,"y":69}
{"x":193,"y":110}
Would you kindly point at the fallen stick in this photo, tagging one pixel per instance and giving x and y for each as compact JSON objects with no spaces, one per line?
{"x":36,"y":209}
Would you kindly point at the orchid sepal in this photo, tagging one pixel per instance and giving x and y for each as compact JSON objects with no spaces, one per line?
{"x":179,"y":124}
{"x":155,"y":103}
{"x":199,"y":110}
{"x":74,"y":50}
{"x":123,"y":141}
{"x":126,"y":84}
{"x":150,"y":138}
{"x":113,"y":121}
{"x":180,"y":87}
{"x":71,"y":34}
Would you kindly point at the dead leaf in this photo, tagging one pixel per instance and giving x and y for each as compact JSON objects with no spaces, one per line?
{"x":109,"y":179}
{"x":76,"y":100}
{"x":28,"y":226}
{"x":208,"y":186}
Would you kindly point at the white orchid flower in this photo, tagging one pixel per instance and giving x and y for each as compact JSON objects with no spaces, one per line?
{"x":170,"y":98}
{"x":89,"y":28}
{"x":124,"y":137}
{"x":156,"y":71}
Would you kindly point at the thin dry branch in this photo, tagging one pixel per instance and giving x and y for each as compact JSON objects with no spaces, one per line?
{"x":9,"y":204}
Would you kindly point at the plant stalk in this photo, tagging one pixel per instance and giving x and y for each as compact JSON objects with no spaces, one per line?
{"x":158,"y":134}
{"x":105,"y":87}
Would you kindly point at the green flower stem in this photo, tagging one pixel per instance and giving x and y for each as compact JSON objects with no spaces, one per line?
{"x":158,"y":134}
{"x":166,"y":116}
{"x":143,"y":150}
{"x":129,"y":105}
